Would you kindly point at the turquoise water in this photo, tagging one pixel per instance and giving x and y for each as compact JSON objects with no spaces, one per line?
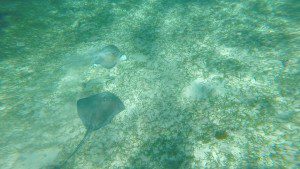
{"x":206,"y":84}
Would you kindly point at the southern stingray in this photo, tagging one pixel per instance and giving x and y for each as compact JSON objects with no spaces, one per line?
{"x":95,"y":112}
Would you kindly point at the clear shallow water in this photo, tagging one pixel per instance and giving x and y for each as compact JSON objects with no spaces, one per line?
{"x":207,"y":84}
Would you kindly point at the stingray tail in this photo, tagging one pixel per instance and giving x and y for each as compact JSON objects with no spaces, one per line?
{"x":86,"y":136}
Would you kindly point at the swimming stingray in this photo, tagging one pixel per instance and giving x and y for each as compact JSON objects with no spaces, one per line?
{"x":108,"y":56}
{"x":95,"y":112}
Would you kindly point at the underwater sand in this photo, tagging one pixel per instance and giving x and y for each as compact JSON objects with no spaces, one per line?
{"x":206,"y":84}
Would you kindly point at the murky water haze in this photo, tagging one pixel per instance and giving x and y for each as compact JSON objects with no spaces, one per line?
{"x":206,"y":84}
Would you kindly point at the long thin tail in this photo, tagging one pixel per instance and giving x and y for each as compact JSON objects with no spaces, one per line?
{"x":86,"y":136}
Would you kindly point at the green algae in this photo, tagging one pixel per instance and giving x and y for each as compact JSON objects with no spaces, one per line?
{"x":221,"y":134}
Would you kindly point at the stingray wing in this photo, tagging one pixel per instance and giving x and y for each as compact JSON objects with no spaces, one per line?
{"x":98,"y":110}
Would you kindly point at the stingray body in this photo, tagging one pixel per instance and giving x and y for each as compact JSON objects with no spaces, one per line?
{"x":95,"y":112}
{"x":108,"y":56}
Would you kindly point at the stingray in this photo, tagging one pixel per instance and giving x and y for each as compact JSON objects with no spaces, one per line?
{"x":95,"y":112}
{"x":108,"y":56}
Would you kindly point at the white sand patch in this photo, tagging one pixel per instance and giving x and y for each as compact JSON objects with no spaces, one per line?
{"x":37,"y":159}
